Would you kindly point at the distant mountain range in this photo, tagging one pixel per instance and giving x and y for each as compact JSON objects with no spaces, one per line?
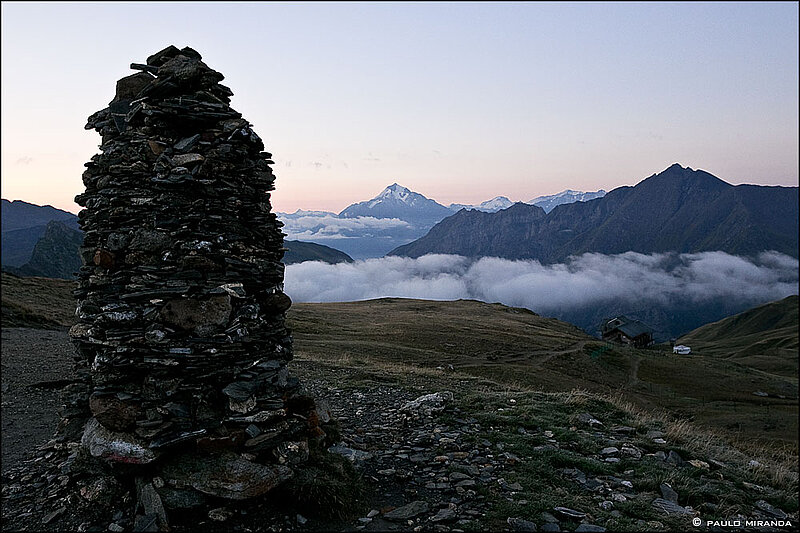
{"x":394,"y":217}
{"x":23,"y":224}
{"x":678,"y":210}
{"x":548,"y":203}
{"x":490,"y":206}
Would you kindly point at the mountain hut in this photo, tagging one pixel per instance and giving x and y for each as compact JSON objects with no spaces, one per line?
{"x":624,"y":330}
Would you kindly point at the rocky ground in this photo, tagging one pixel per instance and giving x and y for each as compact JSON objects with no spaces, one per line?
{"x":434,"y":450}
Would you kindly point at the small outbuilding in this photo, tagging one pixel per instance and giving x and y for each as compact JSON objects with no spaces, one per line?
{"x":624,"y":330}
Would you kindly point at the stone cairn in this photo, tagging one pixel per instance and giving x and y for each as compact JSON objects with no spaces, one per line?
{"x":180,"y":333}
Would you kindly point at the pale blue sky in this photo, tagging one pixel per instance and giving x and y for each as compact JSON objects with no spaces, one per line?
{"x":458,"y":101}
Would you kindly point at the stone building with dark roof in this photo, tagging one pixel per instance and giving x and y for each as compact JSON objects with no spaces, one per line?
{"x":624,"y":330}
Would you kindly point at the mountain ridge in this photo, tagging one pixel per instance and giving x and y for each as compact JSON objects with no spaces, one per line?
{"x":567,"y":196}
{"x":679,"y":209}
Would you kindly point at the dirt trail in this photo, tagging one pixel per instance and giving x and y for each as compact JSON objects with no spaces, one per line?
{"x":572,"y":349}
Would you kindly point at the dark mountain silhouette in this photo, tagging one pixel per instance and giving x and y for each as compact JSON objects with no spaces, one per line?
{"x":680,"y":209}
{"x":18,"y":214}
{"x":23,"y":224}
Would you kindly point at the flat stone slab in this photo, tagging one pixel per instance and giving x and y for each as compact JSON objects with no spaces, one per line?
{"x":407,"y":512}
{"x":668,"y":507}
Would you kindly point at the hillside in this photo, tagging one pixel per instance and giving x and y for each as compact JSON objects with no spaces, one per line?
{"x":298,"y":251}
{"x":678,"y":210}
{"x":511,"y":346}
{"x":520,"y":348}
{"x":765,"y":338}
{"x":37,"y":302}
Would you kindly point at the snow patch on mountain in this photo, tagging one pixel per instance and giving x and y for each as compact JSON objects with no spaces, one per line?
{"x":394,"y":192}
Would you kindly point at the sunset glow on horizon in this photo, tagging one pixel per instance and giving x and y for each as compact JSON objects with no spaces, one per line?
{"x":460,"y":102}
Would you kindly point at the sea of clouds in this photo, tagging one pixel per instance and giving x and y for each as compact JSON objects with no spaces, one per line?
{"x":586,"y":280}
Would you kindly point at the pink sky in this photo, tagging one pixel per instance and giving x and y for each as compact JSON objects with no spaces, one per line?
{"x":459,"y":102}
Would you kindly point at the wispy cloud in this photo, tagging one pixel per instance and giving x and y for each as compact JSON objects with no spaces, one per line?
{"x":24,"y":160}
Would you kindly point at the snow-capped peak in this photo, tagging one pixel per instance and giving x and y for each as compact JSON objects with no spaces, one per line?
{"x":396,"y":201}
{"x":394,"y":191}
{"x":495,"y":204}
{"x":498,"y":202}
{"x":565,"y":197}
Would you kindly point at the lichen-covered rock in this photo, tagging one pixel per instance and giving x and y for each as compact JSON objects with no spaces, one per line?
{"x":428,"y":404}
{"x":225,"y":476}
{"x":115,"y":446}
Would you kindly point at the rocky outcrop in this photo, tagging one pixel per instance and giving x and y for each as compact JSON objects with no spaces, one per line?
{"x":55,"y":254}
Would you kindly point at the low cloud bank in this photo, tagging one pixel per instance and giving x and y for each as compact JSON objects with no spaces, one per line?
{"x":330,"y":226}
{"x":586,"y":280}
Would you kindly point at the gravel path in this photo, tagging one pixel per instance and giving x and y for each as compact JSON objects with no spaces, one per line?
{"x":32,"y":361}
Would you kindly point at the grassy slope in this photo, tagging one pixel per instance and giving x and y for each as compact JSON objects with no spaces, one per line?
{"x":37,"y":302}
{"x":518,"y":348}
{"x":765,"y":338}
{"x":513,"y":347}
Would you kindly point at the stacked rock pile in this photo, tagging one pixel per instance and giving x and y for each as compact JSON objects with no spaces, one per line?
{"x":180,"y":301}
